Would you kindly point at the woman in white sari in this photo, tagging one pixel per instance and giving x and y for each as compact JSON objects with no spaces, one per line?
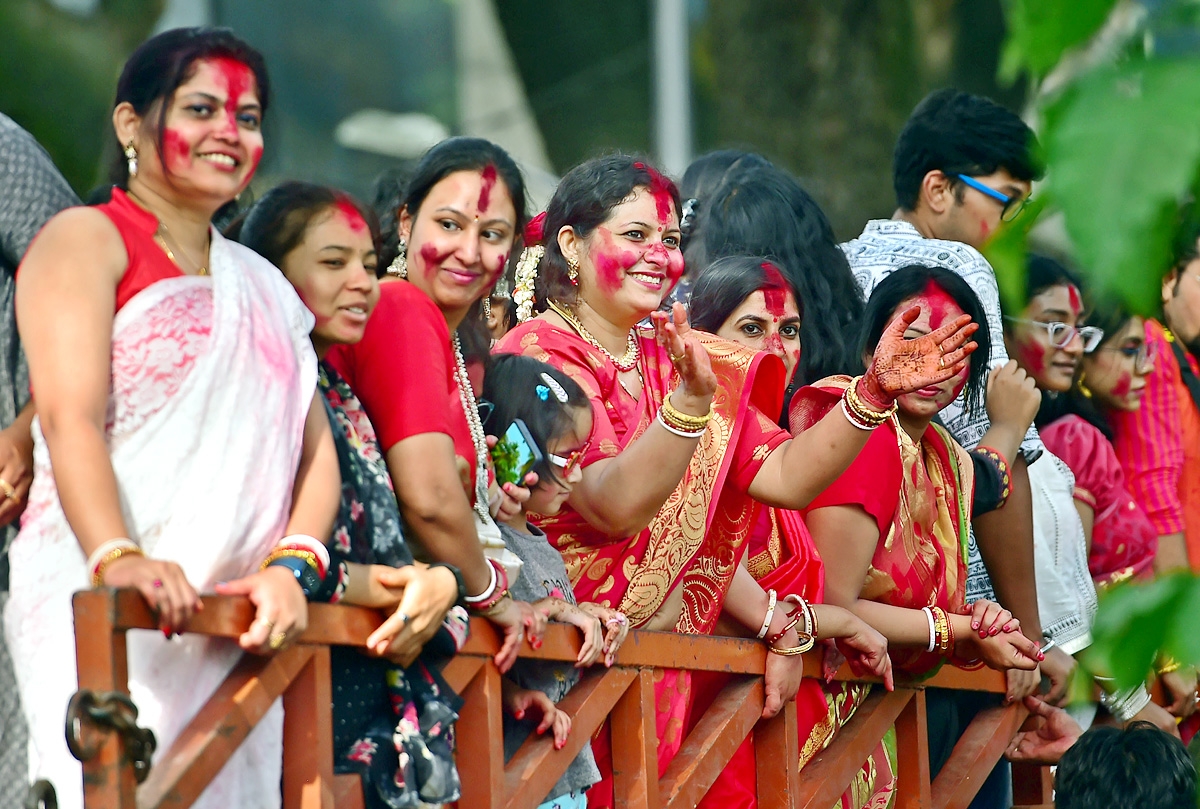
{"x":179,"y":446}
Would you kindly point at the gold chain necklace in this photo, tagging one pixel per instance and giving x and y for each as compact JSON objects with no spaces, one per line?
{"x":160,"y":237}
{"x":628,"y":360}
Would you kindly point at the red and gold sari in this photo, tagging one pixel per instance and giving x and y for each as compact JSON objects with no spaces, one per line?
{"x":697,"y":537}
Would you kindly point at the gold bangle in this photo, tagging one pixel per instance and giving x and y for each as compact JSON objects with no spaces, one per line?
{"x":942,"y":625}
{"x":1167,"y":665}
{"x":861,"y":410}
{"x":111,"y":556}
{"x":682,"y":421}
{"x":498,"y":607}
{"x":280,"y":553}
{"x":792,"y":651}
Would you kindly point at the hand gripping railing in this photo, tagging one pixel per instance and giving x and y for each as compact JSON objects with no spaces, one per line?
{"x":623,"y":694}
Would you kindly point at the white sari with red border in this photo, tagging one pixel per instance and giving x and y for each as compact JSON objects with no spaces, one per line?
{"x":212,"y":379}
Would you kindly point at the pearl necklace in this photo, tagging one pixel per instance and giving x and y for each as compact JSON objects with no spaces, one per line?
{"x":633,"y":350}
{"x":471,"y":410}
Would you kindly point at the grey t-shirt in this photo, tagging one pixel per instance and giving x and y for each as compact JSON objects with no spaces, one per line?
{"x":543,"y":574}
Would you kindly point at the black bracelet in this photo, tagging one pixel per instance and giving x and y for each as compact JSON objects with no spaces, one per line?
{"x":305,"y":573}
{"x":458,"y":579}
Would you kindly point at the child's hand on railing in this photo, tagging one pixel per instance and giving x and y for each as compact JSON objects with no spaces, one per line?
{"x":426,"y":595}
{"x":518,"y":701}
{"x":616,"y":627}
{"x":281,"y":609}
{"x":518,"y":620}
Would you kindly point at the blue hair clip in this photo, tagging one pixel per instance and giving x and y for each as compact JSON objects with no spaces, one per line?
{"x":543,"y":392}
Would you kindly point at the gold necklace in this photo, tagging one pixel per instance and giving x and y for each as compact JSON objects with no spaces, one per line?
{"x":162,"y":241}
{"x":628,"y":360}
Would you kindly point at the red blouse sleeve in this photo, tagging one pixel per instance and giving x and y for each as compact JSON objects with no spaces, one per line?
{"x":401,"y":367}
{"x":759,"y":438}
{"x":872,"y":481}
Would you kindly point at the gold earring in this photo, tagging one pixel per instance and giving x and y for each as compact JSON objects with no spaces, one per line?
{"x":399,"y":265}
{"x":131,"y":158}
{"x":1084,"y":390}
{"x":573,"y":271}
{"x":487,"y":306}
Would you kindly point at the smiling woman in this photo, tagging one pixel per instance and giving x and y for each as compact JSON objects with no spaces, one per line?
{"x":149,"y":336}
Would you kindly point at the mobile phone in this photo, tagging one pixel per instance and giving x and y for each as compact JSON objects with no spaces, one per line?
{"x":515,"y":454}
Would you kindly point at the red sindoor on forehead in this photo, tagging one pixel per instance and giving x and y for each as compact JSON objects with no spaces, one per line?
{"x":660,"y":189}
{"x":237,"y":77}
{"x":774,"y":289}
{"x":350,"y":213}
{"x":488,"y":176}
{"x":941,"y":306}
{"x":1076,"y":303}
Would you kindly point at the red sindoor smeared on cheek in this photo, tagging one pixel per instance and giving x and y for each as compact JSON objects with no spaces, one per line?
{"x":1124,"y":385}
{"x":432,"y":258}
{"x":942,"y":307}
{"x":1032,"y":355}
{"x":499,"y":266}
{"x":488,"y":181}
{"x":610,"y":262}
{"x":178,"y":154}
{"x":350,"y":214}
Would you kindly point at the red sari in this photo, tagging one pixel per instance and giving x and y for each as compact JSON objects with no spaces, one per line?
{"x":697,"y":537}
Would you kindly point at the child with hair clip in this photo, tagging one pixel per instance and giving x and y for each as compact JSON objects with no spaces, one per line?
{"x":558,"y":418}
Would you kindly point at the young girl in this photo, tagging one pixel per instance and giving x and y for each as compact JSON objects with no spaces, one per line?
{"x":558,"y":416}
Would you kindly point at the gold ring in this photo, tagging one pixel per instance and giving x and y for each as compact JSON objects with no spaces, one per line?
{"x":942,"y":362}
{"x":265,"y":621}
{"x":9,"y":492}
{"x":277,"y":640}
{"x":677,"y":359}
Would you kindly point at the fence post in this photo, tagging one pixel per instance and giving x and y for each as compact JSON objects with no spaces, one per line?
{"x":103,"y":666}
{"x":480,"y":754}
{"x":635,"y":758}
{"x":308,"y":731}
{"x":912,"y":755}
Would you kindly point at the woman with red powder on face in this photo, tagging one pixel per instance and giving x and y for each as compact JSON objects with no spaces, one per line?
{"x":682,"y":440}
{"x":462,"y":210}
{"x":150,"y":338}
{"x":746,"y":300}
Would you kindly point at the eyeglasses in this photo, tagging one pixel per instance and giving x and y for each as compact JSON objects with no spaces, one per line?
{"x":1012,"y":205}
{"x":1061,"y":334}
{"x":1143,"y":355}
{"x":568,"y":464}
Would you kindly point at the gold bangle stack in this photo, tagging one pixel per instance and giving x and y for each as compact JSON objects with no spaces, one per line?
{"x":110,"y":557}
{"x":280,"y":553}
{"x":943,"y":631}
{"x":682,"y":421}
{"x":1167,"y":664}
{"x":860,"y":411}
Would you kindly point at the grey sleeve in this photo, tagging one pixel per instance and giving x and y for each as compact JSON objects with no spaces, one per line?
{"x":31,"y":190}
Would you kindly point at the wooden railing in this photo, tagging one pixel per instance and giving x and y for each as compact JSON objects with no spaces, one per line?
{"x":622,"y":694}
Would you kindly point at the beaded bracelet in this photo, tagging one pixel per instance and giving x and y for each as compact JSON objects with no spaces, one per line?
{"x":771,"y":597}
{"x":294,"y":553}
{"x":107,"y":553}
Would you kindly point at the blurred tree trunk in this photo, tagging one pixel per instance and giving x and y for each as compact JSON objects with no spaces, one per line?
{"x":824,"y":88}
{"x":61,"y":72}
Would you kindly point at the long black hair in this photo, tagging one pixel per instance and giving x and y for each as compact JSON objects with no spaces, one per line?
{"x":584,"y":199}
{"x":516,"y":390}
{"x":161,"y":64}
{"x":909,"y":282}
{"x":764,"y":211}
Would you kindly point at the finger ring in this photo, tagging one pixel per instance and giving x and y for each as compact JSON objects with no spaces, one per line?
{"x":157,"y":584}
{"x":678,"y":358}
{"x":9,"y":492}
{"x":941,"y":362}
{"x":277,"y":640}
{"x":264,"y":621}
{"x":403,"y":616}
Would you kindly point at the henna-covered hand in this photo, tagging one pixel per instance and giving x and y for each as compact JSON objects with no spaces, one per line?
{"x":902,"y":366}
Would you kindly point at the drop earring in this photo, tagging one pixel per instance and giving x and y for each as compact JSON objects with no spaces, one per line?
{"x":1084,"y":390}
{"x":131,"y":158}
{"x":487,"y":306}
{"x":573,"y":271}
{"x":399,"y":265}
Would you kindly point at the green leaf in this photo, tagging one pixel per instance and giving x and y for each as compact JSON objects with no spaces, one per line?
{"x":1135,"y":621}
{"x":1122,"y":149}
{"x":1041,"y":30}
{"x":1007,"y":252}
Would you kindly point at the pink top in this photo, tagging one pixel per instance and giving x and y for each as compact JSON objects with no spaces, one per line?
{"x":1124,"y":540}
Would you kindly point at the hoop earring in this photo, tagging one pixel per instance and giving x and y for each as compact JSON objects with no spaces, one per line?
{"x":131,"y":158}
{"x":487,"y":306}
{"x":1084,"y":390}
{"x":573,"y":271}
{"x":399,"y":265}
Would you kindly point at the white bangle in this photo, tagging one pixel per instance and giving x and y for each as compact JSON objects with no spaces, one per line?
{"x":680,"y":433}
{"x":486,"y":594}
{"x":932,"y":629}
{"x":310,"y":543}
{"x":846,"y":412}
{"x":771,"y":596}
{"x":810,"y":619}
{"x":123,"y":543}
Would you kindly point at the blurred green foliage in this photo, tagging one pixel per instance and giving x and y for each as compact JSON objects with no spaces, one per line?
{"x":60,"y":70}
{"x":1121,"y":142}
